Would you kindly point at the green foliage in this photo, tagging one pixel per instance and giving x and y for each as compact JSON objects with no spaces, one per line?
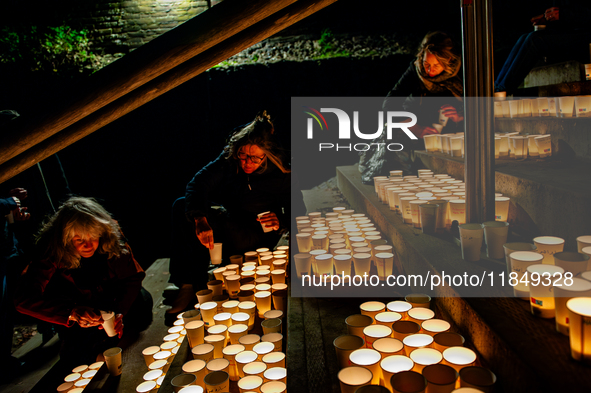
{"x":328,"y":47}
{"x":58,"y":50}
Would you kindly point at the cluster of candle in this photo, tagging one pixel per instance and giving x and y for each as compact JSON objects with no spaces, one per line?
{"x":402,"y":347}
{"x":567,"y":106}
{"x":508,"y":145}
{"x":557,"y":285}
{"x":409,"y":196}
{"x":331,"y":243}
{"x":218,"y":330}
{"x":79,"y":378}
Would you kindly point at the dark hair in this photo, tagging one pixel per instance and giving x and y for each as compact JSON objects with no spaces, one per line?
{"x":258,"y":133}
{"x":86,"y":218}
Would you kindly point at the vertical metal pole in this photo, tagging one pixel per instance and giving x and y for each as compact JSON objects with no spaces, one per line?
{"x":479,"y":117}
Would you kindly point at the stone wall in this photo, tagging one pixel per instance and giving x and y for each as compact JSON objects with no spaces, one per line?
{"x":117,"y":27}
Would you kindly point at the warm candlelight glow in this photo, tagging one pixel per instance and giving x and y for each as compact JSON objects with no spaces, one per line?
{"x":459,"y":357}
{"x":415,"y":341}
{"x":425,"y":357}
{"x":351,"y":378}
{"x":373,"y":332}
{"x":368,"y":358}
{"x":579,"y":315}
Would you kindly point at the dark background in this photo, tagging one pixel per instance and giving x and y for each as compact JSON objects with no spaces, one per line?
{"x":138,"y":165}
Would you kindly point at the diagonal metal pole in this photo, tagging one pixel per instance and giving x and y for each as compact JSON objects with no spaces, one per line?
{"x":479,"y":173}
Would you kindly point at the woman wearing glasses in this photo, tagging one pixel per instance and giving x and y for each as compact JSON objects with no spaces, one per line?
{"x":221,"y":205}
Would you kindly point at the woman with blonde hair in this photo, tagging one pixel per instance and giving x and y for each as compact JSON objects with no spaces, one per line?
{"x":82,"y":266}
{"x":251,"y":176}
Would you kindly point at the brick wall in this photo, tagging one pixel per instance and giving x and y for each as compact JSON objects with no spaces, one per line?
{"x":117,"y":27}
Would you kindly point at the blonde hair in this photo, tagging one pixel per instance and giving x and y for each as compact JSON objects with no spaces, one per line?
{"x":440,"y":45}
{"x":258,"y":133}
{"x":83,"y":217}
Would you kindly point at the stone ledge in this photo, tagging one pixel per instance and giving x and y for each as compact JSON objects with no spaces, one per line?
{"x":518,"y":347}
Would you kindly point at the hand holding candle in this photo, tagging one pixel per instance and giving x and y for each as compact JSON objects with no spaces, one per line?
{"x":269,"y":221}
{"x":86,"y":316}
{"x":204,"y":232}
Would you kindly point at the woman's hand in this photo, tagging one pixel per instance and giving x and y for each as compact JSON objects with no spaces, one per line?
{"x":421,"y":131}
{"x":86,"y":316}
{"x":19,"y":193}
{"x":451,"y":113}
{"x":117,"y":325}
{"x":270,"y":221}
{"x":204,"y":232}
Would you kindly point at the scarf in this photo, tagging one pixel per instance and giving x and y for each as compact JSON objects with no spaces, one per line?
{"x":448,"y":80}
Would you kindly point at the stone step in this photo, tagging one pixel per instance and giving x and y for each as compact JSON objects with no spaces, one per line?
{"x":515,"y":345}
{"x":548,"y":197}
{"x":553,"y":74}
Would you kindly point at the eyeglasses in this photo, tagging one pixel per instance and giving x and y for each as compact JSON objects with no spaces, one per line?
{"x":254,"y":159}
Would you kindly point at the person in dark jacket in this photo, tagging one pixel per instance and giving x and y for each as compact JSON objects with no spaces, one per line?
{"x":431,"y":84}
{"x":82,"y":266}
{"x":562,"y":33}
{"x":248,"y":178}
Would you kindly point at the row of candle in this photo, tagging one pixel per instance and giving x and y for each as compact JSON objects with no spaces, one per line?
{"x":405,"y":194}
{"x":565,"y":298}
{"x":403,"y":348}
{"x":508,"y":145}
{"x":79,"y":378}
{"x":332,"y":243}
{"x":566,"y":106}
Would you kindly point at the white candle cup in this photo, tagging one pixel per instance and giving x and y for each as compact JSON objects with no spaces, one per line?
{"x":237,"y":331}
{"x":216,"y":254}
{"x":222,"y":364}
{"x":519,"y":146}
{"x":216,"y":287}
{"x":566,"y":106}
{"x":502,"y":208}
{"x":369,"y":359}
{"x":159,"y":365}
{"x":413,"y":342}
{"x":420,"y":314}
{"x":356,"y":323}
{"x":457,"y":210}
{"x":229,"y":353}
{"x":434,"y":326}
{"x":237,"y":260}
{"x":583,"y":106}
{"x":423,"y":357}
{"x":218,"y":341}
{"x":323,"y":265}
{"x":393,"y":364}
{"x":233,"y":285}
{"x":362,"y":263}
{"x":304,"y":242}
{"x":182,"y":380}
{"x":263,"y":301}
{"x":442,"y":341}
{"x":65,"y":387}
{"x":548,"y":246}
{"x":279,"y":300}
{"x":384,"y":263}
{"x":478,"y":378}
{"x":148,"y":354}
{"x":113,"y":360}
{"x":532,"y":148}
{"x":459,"y":357}
{"x":262,"y":349}
{"x":303,"y":264}
{"x":271,"y":326}
{"x":408,"y":382}
{"x":543,"y":106}
{"x":405,"y":207}
{"x":428,"y":217}
{"x":276,"y":338}
{"x":249,"y":341}
{"x":583,"y":242}
{"x":109,"y":323}
{"x":387,"y":318}
{"x":248,"y":307}
{"x":192,"y":389}
{"x":562,"y":294}
{"x":579,"y":315}
{"x":217,"y":381}
{"x":403,"y":329}
{"x":471,"y":240}
{"x":73,"y":377}
{"x":152,"y":375}
{"x":495,"y":235}
{"x":541,"y":291}
{"x":147,"y":387}
{"x":415,"y":212}
{"x":440,"y":378}
{"x":252,"y":383}
{"x":190,"y":316}
{"x":372,"y":308}
{"x":345,"y":345}
{"x":512,"y":247}
{"x":274,"y":359}
{"x":274,"y":387}
{"x":352,"y":378}
{"x":243,"y":358}
{"x":254,"y":368}
{"x":218,"y":273}
{"x":342,"y":264}
{"x":544,"y":144}
{"x":203,"y":352}
{"x":204,"y":296}
{"x":573,"y":262}
{"x":208,"y":310}
{"x":372,"y":333}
